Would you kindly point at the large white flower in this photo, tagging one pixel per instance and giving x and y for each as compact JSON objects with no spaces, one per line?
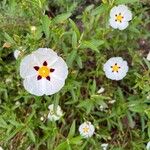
{"x":54,"y":114}
{"x":115,"y":68}
{"x":86,"y":129}
{"x":119,"y":17}
{"x":44,"y":72}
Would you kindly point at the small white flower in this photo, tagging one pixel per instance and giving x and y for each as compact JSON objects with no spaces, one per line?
{"x":86,"y":129}
{"x":54,"y":115}
{"x":1,"y":148}
{"x":44,"y":72}
{"x":111,"y":101}
{"x":42,"y":118}
{"x":101,"y":90}
{"x":115,"y":68}
{"x":104,"y":146}
{"x":17,"y":54}
{"x":17,"y":103}
{"x":33,"y":28}
{"x":148,"y":146}
{"x":119,"y":17}
{"x":103,"y":107}
{"x":148,"y":56}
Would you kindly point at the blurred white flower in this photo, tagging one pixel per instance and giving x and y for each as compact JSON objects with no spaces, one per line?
{"x":148,"y":146}
{"x":44,"y":72}
{"x":111,"y":101}
{"x":17,"y":103}
{"x":86,"y":129}
{"x":115,"y":68}
{"x":17,"y":54}
{"x":104,"y":146}
{"x":103,"y":107}
{"x":101,"y":90}
{"x":33,"y":28}
{"x":148,"y":97}
{"x":1,"y":148}
{"x":42,"y":118}
{"x":53,"y":114}
{"x":148,"y":56}
{"x":119,"y":17}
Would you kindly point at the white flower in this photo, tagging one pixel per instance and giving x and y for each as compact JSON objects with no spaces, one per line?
{"x":148,"y":56}
{"x":103,"y":107}
{"x":17,"y":54}
{"x":44,"y":72}
{"x":104,"y":146}
{"x":86,"y":129}
{"x":54,"y":115}
{"x":115,"y":68}
{"x":1,"y":148}
{"x":119,"y":17}
{"x":42,"y":118}
{"x":101,"y":90}
{"x":148,"y":146}
{"x":33,"y":28}
{"x":111,"y":101}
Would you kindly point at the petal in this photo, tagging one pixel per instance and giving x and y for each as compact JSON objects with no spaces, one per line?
{"x":123,"y":25}
{"x":61,"y":69}
{"x":34,"y":86}
{"x":52,"y":86}
{"x":113,"y":12}
{"x":27,"y":66}
{"x":122,"y":8}
{"x":45,"y":54}
{"x":114,"y":24}
{"x":127,"y":15}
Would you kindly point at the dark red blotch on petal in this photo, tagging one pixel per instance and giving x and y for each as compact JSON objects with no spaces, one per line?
{"x":39,"y":77}
{"x":45,"y":63}
{"x":52,"y":70}
{"x":36,"y":68}
{"x":48,"y":78}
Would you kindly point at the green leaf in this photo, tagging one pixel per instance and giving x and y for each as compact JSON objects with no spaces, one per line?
{"x":75,"y":28}
{"x":71,"y":57}
{"x":72,"y":129}
{"x":74,"y":40}
{"x":61,"y":18}
{"x":9,"y":38}
{"x":126,"y":1}
{"x":89,"y":44}
{"x":62,"y":146}
{"x":45,"y":25}
{"x":31,"y":135}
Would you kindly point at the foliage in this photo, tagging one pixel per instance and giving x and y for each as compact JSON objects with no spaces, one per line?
{"x":80,"y":33}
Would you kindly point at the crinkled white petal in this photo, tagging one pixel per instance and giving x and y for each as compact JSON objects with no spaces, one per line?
{"x":148,"y":146}
{"x":34,"y":86}
{"x":26,"y":66}
{"x":89,"y":133}
{"x":115,"y":75}
{"x":123,"y":25}
{"x":45,"y":54}
{"x":61,"y":69}
{"x":1,"y":148}
{"x":114,"y":24}
{"x":57,"y":115}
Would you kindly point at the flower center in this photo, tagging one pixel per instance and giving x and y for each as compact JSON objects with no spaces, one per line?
{"x":85,"y":129}
{"x":119,"y":17}
{"x":44,"y":71}
{"x":115,"y":68}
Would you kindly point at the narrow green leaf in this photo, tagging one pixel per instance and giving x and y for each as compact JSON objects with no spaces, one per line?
{"x":126,"y":1}
{"x":72,"y":129}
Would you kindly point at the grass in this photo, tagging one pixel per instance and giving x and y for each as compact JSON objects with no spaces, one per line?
{"x":79,"y":32}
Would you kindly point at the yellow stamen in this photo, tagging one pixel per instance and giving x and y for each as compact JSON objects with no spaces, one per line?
{"x":86,"y":129}
{"x":115,"y":68}
{"x":119,"y":17}
{"x":44,"y":71}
